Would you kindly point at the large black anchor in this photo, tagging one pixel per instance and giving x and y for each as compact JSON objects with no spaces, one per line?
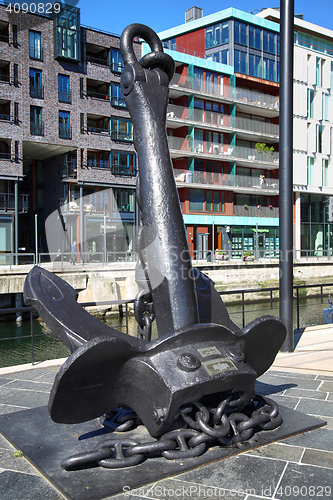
{"x":199,"y":351}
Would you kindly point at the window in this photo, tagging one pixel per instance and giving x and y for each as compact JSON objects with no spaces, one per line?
{"x":197,"y":200}
{"x":271,"y":43}
{"x":319,"y":71}
{"x":225,"y":56}
{"x":254,"y":37}
{"x":122,"y":130}
{"x":271,"y":70}
{"x":310,"y":168}
{"x":123,"y":163}
{"x":265,"y":41}
{"x":326,"y":106}
{"x":117,"y":98}
{"x":124,"y":199}
{"x":36,"y":87}
{"x":64,"y":93}
{"x":198,"y":78}
{"x":331,"y":75}
{"x":241,"y":62}
{"x":35,"y":48}
{"x":217,"y":35}
{"x":311,"y":95}
{"x":67,"y":33}
{"x":319,"y":138}
{"x":117,"y":64}
{"x":64,"y":125}
{"x":240,"y":33}
{"x":212,"y":201}
{"x":325,"y":173}
{"x":36,"y":120}
{"x":255,"y":68}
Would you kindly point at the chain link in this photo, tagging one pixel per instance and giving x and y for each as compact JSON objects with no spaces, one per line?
{"x":204,"y":423}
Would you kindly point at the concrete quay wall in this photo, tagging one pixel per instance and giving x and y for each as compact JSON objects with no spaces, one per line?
{"x":118,"y":282}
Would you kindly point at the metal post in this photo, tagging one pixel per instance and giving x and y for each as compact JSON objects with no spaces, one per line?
{"x":81,"y":225}
{"x":329,"y":242}
{"x":104,"y":239}
{"x":286,"y":170}
{"x":256,"y":252}
{"x":213,"y":242}
{"x":16,"y":222}
{"x":36,"y":239}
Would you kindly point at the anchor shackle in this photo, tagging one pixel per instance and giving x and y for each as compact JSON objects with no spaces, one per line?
{"x":155,"y":59}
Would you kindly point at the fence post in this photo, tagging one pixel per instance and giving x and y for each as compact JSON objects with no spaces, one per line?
{"x":297,"y":307}
{"x":32,"y":340}
{"x":243,"y":308}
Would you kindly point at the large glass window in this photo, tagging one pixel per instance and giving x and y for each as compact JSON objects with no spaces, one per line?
{"x":63,"y":89}
{"x":310,"y":169}
{"x":254,"y":37}
{"x":271,"y":70}
{"x":325,"y":173}
{"x":125,"y":199}
{"x":319,"y":138}
{"x":311,"y":95}
{"x":123,"y":163}
{"x":36,"y":120}
{"x":319,"y":71}
{"x":197,"y":200}
{"x":35,"y":48}
{"x":255,"y":68}
{"x":64,"y":125}
{"x":117,"y":64}
{"x":67,"y":33}
{"x":217,"y":35}
{"x":271,"y":43}
{"x":122,"y":130}
{"x":35,"y":80}
{"x":240,"y":33}
{"x":117,"y":97}
{"x":241,"y":62}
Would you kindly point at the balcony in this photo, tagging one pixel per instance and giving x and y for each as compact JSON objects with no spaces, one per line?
{"x":96,"y":60}
{"x":7,"y":202}
{"x":98,"y":163}
{"x":183,"y":147}
{"x":4,"y":78}
{"x":117,"y":67}
{"x":211,"y":119}
{"x":5,"y":118}
{"x":123,"y":170}
{"x":96,"y":54}
{"x":37,"y":129}
{"x":69,"y":170}
{"x":255,"y":211}
{"x":65,"y":132}
{"x":37,"y":91}
{"x":5,"y":156}
{"x":36,"y":53}
{"x":227,"y":93}
{"x":97,"y":130}
{"x":121,"y":136}
{"x":235,"y":182}
{"x":65,"y":96}
{"x":97,"y":89}
{"x":118,"y":102}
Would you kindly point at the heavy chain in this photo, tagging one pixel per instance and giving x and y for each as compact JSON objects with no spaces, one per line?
{"x":204,"y":423}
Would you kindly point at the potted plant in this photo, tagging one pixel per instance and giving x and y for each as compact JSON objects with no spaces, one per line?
{"x":221,"y":255}
{"x":248,"y":255}
{"x":189,"y":139}
{"x":246,"y":206}
{"x":262,"y":148}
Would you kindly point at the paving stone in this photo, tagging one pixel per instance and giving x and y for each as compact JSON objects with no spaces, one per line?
{"x":5,"y":392}
{"x":37,"y":386}
{"x":279,"y":451}
{"x":288,"y":401}
{"x":305,"y":482}
{"x":326,"y":387}
{"x":4,"y":381}
{"x":311,"y":407}
{"x":320,"y":439}
{"x":324,"y":377}
{"x":320,"y":458}
{"x":4,"y":408}
{"x":301,"y":383}
{"x":9,"y":462}
{"x":24,"y":375}
{"x":290,"y":374}
{"x":306,"y":393}
{"x":243,"y":474}
{"x":270,"y":390}
{"x":48,"y":375}
{"x":28,"y":399}
{"x":330,"y":397}
{"x":16,"y":486}
{"x":4,"y":444}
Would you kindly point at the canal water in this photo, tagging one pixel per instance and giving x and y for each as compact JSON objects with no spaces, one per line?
{"x":18,"y":349}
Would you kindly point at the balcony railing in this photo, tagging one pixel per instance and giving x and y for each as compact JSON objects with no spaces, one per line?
{"x":65,"y":96}
{"x":36,"y":53}
{"x":4,"y":78}
{"x":4,"y":38}
{"x":223,"y":151}
{"x":65,"y":132}
{"x":98,"y":163}
{"x":96,"y":130}
{"x":69,"y":170}
{"x":221,"y":179}
{"x":37,"y":128}
{"x":96,"y":60}
{"x":97,"y":95}
{"x":37,"y":91}
{"x":213,"y":118}
{"x":255,"y":211}
{"x":7,"y":202}
{"x":5,"y":156}
{"x":231,"y":93}
{"x":5,"y":118}
{"x":123,"y":170}
{"x":121,"y":136}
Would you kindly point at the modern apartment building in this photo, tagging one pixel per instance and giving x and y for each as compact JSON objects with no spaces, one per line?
{"x":223,"y":128}
{"x":66,"y":144}
{"x":313,"y":124}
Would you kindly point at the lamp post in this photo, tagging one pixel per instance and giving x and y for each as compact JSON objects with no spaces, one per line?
{"x":286,"y":170}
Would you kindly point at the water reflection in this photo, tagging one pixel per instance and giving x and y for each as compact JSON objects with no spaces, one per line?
{"x":17,"y":350}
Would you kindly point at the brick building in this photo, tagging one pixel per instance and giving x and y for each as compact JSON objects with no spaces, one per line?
{"x":66,"y":144}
